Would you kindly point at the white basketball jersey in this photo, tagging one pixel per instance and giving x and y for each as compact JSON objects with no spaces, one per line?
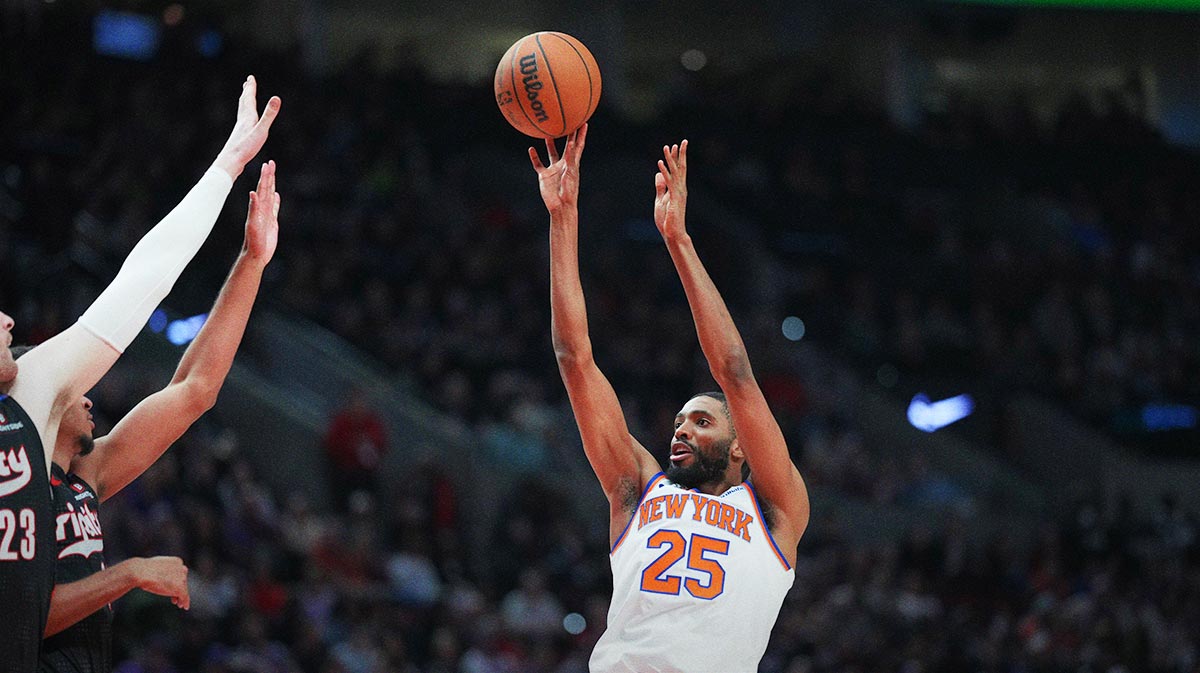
{"x":697,"y":585}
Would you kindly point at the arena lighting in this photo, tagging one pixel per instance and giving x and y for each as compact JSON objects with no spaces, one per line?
{"x":158,"y":321}
{"x":1167,"y":5}
{"x":694,"y":60}
{"x":1161,"y":417}
{"x":125,"y":35}
{"x":793,"y":328}
{"x":931,"y":416}
{"x":181,"y":332}
{"x":574,"y":623}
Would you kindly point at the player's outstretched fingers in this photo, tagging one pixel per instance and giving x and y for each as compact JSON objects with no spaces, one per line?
{"x":247,"y":102}
{"x":266,"y":182}
{"x":670,"y":153}
{"x":536,"y":160}
{"x":269,"y":114}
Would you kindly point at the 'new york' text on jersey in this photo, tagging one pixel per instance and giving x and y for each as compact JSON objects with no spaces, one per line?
{"x":697,"y":585}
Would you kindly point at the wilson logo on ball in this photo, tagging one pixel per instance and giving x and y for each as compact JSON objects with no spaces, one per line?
{"x":529,"y":68}
{"x":547,"y":84}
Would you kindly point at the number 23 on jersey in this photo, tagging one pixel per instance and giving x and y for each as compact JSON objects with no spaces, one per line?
{"x":10,"y":523}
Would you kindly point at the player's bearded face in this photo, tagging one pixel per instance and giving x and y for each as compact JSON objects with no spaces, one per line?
{"x":86,"y":444}
{"x":707,"y":465}
{"x":79,"y":423}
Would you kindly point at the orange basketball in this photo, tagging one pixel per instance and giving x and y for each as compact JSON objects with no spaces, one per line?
{"x":547,"y":84}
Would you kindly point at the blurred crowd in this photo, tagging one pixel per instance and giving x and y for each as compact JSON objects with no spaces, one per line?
{"x":978,"y":246}
{"x":279,"y":587}
{"x":986,"y":249}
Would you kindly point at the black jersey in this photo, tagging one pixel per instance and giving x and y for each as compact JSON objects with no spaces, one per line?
{"x":84,"y":647}
{"x":26,"y":540}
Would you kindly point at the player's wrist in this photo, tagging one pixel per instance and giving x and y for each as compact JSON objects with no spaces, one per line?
{"x":566,"y":213}
{"x":229,"y":164}
{"x":679,"y":239}
{"x":257,"y":262}
{"x":130,"y":573}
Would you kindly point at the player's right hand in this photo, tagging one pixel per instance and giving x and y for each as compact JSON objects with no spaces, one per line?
{"x":262,"y":218}
{"x":164,"y":576}
{"x":559,"y":182}
{"x":250,"y":132}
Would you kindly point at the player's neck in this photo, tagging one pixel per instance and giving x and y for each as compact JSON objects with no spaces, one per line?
{"x":62,"y":458}
{"x":719,"y":487}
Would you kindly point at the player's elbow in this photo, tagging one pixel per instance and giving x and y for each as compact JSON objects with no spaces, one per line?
{"x":572,"y":357}
{"x":199,"y":397}
{"x":732,"y":368}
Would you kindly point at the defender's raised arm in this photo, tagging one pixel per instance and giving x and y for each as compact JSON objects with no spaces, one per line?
{"x":160,"y":419}
{"x":62,"y":369}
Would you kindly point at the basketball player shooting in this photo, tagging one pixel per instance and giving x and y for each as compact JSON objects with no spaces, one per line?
{"x":87,"y":472}
{"x":53,"y":377}
{"x":701,"y":559}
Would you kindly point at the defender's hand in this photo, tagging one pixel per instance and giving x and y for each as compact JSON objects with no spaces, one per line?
{"x":262,"y":218}
{"x":250,"y":131}
{"x":164,"y":576}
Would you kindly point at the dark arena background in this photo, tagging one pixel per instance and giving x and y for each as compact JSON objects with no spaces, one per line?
{"x":961,"y":240}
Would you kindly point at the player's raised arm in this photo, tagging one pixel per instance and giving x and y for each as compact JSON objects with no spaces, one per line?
{"x":622,"y":465}
{"x":160,"y":419}
{"x":62,"y":369}
{"x":775,"y":478}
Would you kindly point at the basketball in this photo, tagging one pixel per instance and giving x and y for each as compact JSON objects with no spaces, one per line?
{"x":547,"y":84}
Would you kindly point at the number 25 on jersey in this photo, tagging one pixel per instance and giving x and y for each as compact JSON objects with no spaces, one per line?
{"x":656,"y":580}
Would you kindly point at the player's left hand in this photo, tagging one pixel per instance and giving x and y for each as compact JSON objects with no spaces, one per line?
{"x":249,"y":132}
{"x":670,"y":191}
{"x":262,"y":218}
{"x":164,"y":576}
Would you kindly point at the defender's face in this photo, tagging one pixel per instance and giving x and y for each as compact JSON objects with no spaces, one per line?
{"x":8,"y":366}
{"x":77,"y":425}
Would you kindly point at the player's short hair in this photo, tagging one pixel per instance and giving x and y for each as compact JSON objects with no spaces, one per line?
{"x":18,"y":351}
{"x":720,"y":397}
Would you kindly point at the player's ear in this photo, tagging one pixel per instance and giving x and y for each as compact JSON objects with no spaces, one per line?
{"x":735,"y":449}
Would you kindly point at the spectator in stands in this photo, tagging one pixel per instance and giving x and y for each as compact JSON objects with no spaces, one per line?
{"x":355,"y":443}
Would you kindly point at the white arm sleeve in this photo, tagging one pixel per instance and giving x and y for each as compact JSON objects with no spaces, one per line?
{"x":155,"y":263}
